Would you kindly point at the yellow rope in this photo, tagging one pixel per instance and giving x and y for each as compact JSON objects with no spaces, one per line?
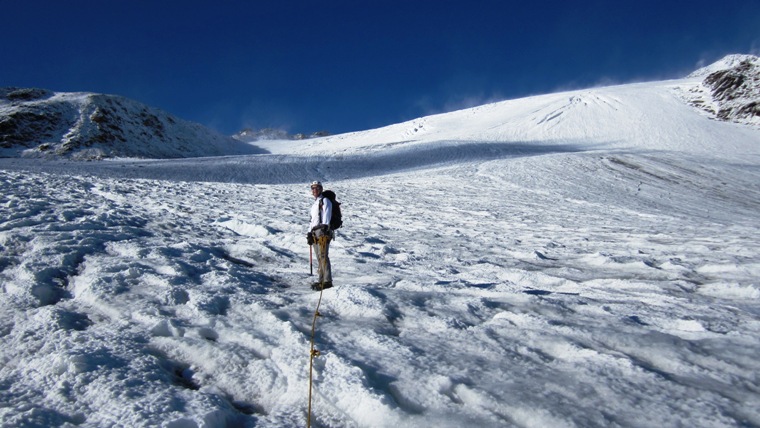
{"x":313,"y":353}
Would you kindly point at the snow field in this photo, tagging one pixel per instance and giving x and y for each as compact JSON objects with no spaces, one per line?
{"x":489,"y":310}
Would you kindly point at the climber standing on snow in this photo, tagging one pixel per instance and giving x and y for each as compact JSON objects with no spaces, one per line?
{"x":320,"y":235}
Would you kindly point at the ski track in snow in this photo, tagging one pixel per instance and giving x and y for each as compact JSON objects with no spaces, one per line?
{"x":506,"y":284}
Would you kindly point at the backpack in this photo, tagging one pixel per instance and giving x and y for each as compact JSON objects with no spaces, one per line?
{"x":337,"y":218}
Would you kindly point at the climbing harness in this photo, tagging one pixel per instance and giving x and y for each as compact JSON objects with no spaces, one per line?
{"x":313,"y":352}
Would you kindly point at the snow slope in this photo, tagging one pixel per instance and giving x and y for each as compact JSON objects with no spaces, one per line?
{"x":643,"y":116}
{"x":586,"y":259}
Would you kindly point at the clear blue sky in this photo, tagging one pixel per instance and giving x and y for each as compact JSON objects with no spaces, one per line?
{"x":346,"y":65}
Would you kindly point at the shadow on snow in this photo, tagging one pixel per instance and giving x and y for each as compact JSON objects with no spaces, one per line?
{"x":291,"y":169}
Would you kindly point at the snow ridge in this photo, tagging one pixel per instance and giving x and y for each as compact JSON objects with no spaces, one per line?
{"x":725,"y":63}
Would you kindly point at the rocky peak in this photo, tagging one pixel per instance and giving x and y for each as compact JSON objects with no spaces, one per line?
{"x":41,"y":123}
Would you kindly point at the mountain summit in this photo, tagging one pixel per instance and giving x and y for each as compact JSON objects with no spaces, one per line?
{"x":725,"y":63}
{"x":42,"y":123}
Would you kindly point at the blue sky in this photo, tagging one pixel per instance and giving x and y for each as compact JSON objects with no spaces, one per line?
{"x":346,"y":65}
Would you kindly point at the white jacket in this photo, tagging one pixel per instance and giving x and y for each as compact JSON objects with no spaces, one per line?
{"x":326,"y":212}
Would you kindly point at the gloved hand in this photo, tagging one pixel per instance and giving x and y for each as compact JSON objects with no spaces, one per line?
{"x":310,"y":238}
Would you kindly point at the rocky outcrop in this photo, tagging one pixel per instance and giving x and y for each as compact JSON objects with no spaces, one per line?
{"x":737,"y":92}
{"x":728,"y":89}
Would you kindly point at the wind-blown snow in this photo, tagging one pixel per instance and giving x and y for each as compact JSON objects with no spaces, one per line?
{"x":588,"y":258}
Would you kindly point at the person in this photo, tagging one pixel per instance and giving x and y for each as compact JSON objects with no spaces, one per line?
{"x":320,"y":235}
